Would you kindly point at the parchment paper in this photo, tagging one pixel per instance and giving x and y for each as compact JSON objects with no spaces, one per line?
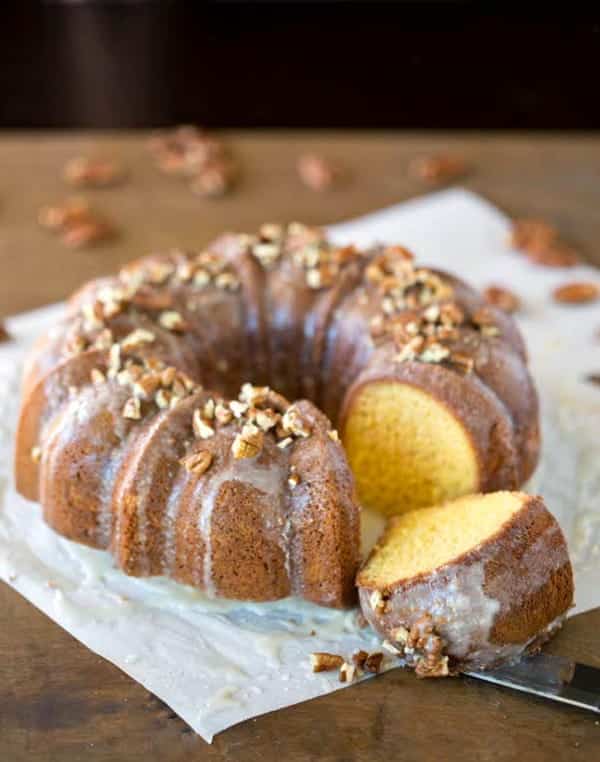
{"x":217,"y":662}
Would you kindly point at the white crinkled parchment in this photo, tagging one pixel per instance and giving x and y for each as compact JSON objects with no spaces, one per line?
{"x":216,"y":662}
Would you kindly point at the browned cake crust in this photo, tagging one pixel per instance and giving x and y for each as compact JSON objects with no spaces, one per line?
{"x":284,"y":307}
{"x":501,"y":599}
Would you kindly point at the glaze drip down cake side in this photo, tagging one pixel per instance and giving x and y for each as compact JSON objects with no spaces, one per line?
{"x":135,"y":437}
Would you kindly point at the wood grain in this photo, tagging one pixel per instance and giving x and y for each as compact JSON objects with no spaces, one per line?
{"x":59,"y":702}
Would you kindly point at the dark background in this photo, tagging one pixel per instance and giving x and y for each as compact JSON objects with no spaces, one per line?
{"x":228,"y":64}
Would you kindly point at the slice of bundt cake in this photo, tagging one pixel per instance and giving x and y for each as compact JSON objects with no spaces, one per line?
{"x":470,"y":584}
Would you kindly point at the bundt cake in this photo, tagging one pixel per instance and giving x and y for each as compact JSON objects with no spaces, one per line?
{"x":428,"y":387}
{"x":470,"y":584}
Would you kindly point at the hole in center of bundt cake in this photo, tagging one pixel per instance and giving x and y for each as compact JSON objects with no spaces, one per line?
{"x":406,"y":449}
{"x":423,"y":540}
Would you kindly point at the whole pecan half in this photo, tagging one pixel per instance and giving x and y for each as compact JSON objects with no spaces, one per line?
{"x":576,"y":293}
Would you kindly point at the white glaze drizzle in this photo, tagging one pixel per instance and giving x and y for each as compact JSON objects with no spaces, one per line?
{"x":170,"y":516}
{"x":455,"y":598}
{"x":266,"y":479}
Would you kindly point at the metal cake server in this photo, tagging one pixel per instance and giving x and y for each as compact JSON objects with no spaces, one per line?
{"x":551,"y":677}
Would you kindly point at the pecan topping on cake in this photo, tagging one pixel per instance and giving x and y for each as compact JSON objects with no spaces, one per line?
{"x":424,"y":335}
{"x":136,"y":338}
{"x":202,"y":429}
{"x":172,"y":321}
{"x":248,"y":443}
{"x":197,"y":462}
{"x":294,"y":477}
{"x":485,"y":322}
{"x":320,"y":260}
{"x":132,"y":409}
{"x":97,"y":376}
{"x":422,"y":647}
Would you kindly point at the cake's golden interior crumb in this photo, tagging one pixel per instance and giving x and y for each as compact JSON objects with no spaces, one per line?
{"x":406,"y":449}
{"x":425,"y":539}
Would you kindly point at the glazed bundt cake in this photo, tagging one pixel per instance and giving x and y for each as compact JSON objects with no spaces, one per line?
{"x":470,"y":584}
{"x":249,"y":499}
{"x":428,"y":387}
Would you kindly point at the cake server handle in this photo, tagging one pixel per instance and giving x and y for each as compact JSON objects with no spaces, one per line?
{"x":551,"y":677}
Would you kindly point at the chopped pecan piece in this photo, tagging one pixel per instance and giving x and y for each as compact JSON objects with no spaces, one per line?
{"x":347,"y":673}
{"x":322,"y":661}
{"x":172,"y":321}
{"x":461,"y":362}
{"x":73,"y":211}
{"x":432,"y":667}
{"x":223,"y":414}
{"x":438,"y":168}
{"x":97,"y":376}
{"x":213,"y":180}
{"x":317,"y":172}
{"x":87,"y":234}
{"x":502,"y":298}
{"x":377,"y":601}
{"x":197,"y":462}
{"x":373,"y":662}
{"x":248,"y":443}
{"x":202,"y":429}
{"x":132,"y":409}
{"x":294,"y":424}
{"x":77,"y":223}
{"x":136,"y":338}
{"x":99,"y":173}
{"x":359,"y":658}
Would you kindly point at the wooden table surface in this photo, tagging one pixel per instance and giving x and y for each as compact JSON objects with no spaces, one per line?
{"x":58,"y":701}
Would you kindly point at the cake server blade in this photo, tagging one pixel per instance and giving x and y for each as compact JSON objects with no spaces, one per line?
{"x":551,"y":677}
